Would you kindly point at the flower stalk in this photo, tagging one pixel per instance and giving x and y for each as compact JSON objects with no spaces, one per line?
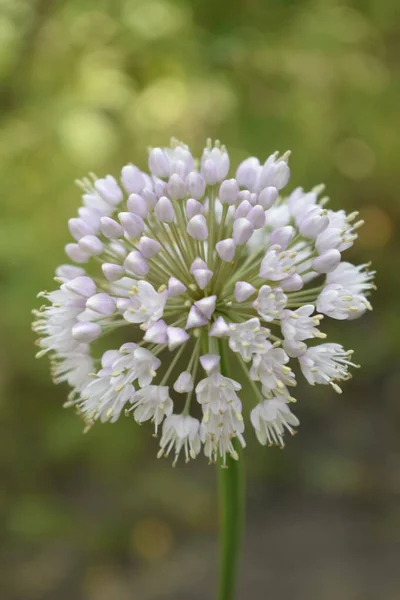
{"x":231,"y":486}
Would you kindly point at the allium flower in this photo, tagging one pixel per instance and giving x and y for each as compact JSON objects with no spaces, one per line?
{"x":195,"y":263}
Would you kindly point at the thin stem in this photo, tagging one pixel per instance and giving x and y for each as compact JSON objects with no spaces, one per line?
{"x":231,"y":498}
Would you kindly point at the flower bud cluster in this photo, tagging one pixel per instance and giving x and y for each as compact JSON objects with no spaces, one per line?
{"x":199,"y":263}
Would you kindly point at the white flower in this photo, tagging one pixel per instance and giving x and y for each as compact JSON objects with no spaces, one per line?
{"x":299,"y":325}
{"x":270,"y":302}
{"x":339,"y":234}
{"x":217,"y":393}
{"x":270,"y":368}
{"x":180,"y":432}
{"x":135,"y":363}
{"x":217,"y":432}
{"x":339,"y":303}
{"x":277,"y":265}
{"x":73,"y":367}
{"x":104,"y":397}
{"x":270,"y":418}
{"x":146,"y":305}
{"x":356,"y":279}
{"x":248,"y":338}
{"x":191,"y":262}
{"x":325,"y":364}
{"x":152,"y":402}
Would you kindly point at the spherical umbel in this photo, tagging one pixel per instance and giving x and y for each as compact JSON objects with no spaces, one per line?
{"x":192,"y":261}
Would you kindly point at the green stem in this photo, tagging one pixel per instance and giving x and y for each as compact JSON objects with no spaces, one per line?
{"x":231,"y":498}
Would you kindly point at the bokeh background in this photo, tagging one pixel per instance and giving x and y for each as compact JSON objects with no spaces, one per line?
{"x":87,"y":85}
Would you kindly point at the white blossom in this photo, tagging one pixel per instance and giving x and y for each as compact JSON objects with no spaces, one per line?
{"x":356,"y":279}
{"x":326,"y":364}
{"x":248,"y":338}
{"x":270,"y":302}
{"x":200,"y":268}
{"x":270,"y":368}
{"x":180,"y":432}
{"x":270,"y":418}
{"x":152,"y":403}
{"x":340,"y":303}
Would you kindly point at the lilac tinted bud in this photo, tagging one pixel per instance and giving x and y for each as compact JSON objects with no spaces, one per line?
{"x":243,"y":291}
{"x":75,"y":253}
{"x":193,"y":207}
{"x":220,"y":159}
{"x":158,"y":163}
{"x":179,"y":168}
{"x":79,"y":228}
{"x":202,"y":277}
{"x":123,"y":304}
{"x":197,"y":228}
{"x":112,"y":272}
{"x":176,"y":187}
{"x":207,"y":306}
{"x":109,"y":190}
{"x":226,"y":249}
{"x":219,"y":328}
{"x":210,"y":362}
{"x":228,"y":191}
{"x":267,"y":197}
{"x":282,"y":236}
{"x":176,"y":337}
{"x":137,"y":205}
{"x":195,"y":318}
{"x":118,"y":248}
{"x":195,"y":185}
{"x":184,"y":383}
{"x":160,"y":188}
{"x":256,"y":216}
{"x":86,"y":332}
{"x":91,"y":244}
{"x":83,"y":286}
{"x":150,"y":197}
{"x":275,"y":174}
{"x":132,"y":224}
{"x":164,"y":210}
{"x":157,"y":333}
{"x":326,"y":262}
{"x":175,"y":287}
{"x":101,"y":303}
{"x":149,"y":247}
{"x":198,"y":263}
{"x":132,"y":179}
{"x":136,"y":264}
{"x":314,"y":222}
{"x":242,"y":231}
{"x":292,"y":283}
{"x":243,"y":209}
{"x":210,"y":172}
{"x":110,"y":228}
{"x":247,"y":173}
{"x":91,"y":216}
{"x":244,"y":195}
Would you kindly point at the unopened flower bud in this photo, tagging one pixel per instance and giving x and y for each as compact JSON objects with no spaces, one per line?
{"x":137,"y":204}
{"x":164,"y":211}
{"x":228,"y":191}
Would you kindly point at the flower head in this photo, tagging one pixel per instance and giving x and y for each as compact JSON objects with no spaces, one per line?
{"x":193,"y":263}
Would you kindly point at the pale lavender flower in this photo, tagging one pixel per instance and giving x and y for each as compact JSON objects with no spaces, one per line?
{"x":193,"y":260}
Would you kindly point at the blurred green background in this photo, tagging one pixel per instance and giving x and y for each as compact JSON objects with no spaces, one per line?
{"x":87,"y":85}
